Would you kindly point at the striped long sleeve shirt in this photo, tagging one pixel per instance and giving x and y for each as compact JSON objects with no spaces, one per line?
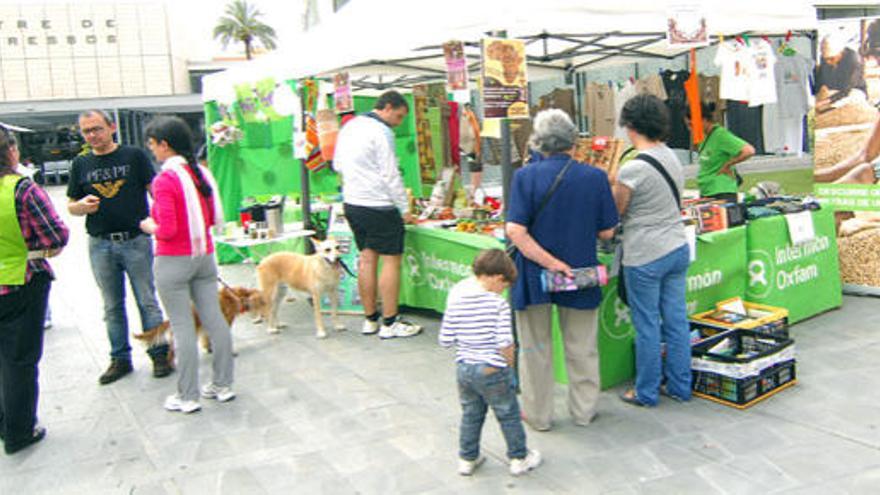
{"x":40,"y":226}
{"x":477,"y":323}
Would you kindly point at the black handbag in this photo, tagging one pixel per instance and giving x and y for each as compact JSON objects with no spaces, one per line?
{"x":511,"y":248}
{"x":650,"y":160}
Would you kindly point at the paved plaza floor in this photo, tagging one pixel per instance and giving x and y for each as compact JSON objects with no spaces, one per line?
{"x":353,"y":414}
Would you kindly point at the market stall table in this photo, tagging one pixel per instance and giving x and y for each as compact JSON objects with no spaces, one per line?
{"x":249,"y":250}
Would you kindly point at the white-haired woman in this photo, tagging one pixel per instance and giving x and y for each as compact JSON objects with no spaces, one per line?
{"x":559,"y":236}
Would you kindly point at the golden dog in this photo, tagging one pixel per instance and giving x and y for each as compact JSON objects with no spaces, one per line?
{"x":317,"y":274}
{"x":233,"y":302}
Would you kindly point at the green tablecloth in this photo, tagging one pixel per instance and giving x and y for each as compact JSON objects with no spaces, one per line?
{"x":805,"y":279}
{"x":433,"y":261}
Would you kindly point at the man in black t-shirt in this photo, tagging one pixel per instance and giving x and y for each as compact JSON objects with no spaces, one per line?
{"x":109,"y":186}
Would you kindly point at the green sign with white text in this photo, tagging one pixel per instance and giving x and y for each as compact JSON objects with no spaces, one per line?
{"x":849,"y":197}
{"x":803,"y":278}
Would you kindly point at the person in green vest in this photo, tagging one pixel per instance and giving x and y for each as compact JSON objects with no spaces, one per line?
{"x":720,"y":152}
{"x":30,"y":232}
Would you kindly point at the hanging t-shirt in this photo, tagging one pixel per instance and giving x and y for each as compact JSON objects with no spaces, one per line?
{"x":600,"y":109}
{"x":732,"y":59}
{"x":782,"y":135}
{"x":792,"y":83}
{"x":677,"y":105}
{"x":454,"y":134}
{"x":746,"y":122}
{"x":719,"y":147}
{"x":762,"y":73}
{"x":692,"y":88}
{"x":652,"y":85}
{"x":623,"y":94}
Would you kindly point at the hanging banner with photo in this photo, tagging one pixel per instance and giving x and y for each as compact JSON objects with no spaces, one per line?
{"x":686,"y":26}
{"x":505,"y":84}
{"x":456,"y":66}
{"x":342,"y":93}
{"x":847,"y":144}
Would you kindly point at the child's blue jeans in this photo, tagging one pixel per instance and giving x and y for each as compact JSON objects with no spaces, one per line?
{"x":481,"y":386}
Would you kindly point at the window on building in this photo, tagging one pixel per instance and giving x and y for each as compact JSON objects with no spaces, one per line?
{"x":310,"y":16}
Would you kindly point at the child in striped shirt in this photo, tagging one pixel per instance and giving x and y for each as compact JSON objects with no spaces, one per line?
{"x":477,"y":323}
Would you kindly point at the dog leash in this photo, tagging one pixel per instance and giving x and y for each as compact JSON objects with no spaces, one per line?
{"x":223,"y":282}
{"x":346,"y":268}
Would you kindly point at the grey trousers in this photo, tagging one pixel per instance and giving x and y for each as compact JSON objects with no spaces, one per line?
{"x":579,"y":330}
{"x":182,"y":280}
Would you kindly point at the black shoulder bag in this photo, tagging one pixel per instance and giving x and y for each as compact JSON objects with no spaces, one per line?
{"x":650,"y":160}
{"x":511,"y":248}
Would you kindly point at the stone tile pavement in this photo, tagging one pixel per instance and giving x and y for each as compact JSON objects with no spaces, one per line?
{"x":353,"y":414}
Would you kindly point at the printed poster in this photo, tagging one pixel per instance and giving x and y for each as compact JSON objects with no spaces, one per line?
{"x":505,"y":84}
{"x":342,"y":93}
{"x":456,"y":66}
{"x":686,"y":26}
{"x":847,"y":134}
{"x":424,"y":136}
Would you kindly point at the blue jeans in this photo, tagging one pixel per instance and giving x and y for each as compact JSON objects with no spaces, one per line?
{"x":111,"y":262}
{"x":656,"y":293}
{"x":478,"y":390}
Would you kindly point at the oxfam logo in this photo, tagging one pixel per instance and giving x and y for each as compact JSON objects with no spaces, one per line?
{"x":413,"y":267}
{"x":615,"y":317}
{"x":760,"y":274}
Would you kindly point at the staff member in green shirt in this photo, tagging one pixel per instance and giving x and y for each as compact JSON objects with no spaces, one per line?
{"x":720,"y":151}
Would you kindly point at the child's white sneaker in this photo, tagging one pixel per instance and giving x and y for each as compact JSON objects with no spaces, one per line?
{"x":467,"y":468}
{"x":526,"y":464}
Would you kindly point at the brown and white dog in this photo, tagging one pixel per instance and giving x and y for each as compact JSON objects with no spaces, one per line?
{"x":233,"y":302}
{"x":317,"y":274}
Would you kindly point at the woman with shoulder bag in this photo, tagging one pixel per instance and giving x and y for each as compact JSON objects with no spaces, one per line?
{"x":558,"y":208}
{"x":655,"y":253}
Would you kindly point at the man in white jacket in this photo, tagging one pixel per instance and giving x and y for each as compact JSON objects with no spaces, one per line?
{"x":376,"y":207}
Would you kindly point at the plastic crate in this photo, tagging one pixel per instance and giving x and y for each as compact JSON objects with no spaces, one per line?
{"x":761,"y":318}
{"x":742,"y":367}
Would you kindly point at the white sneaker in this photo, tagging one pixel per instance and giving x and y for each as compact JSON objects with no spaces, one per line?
{"x":221,"y":394}
{"x":370,"y":327}
{"x":522,"y":466}
{"x":400,"y":328}
{"x":175,"y":403}
{"x":467,"y":468}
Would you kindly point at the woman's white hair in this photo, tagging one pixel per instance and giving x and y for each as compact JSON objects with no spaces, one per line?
{"x":553,"y":132}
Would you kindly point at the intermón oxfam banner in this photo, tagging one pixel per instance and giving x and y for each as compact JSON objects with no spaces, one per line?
{"x":802,"y":278}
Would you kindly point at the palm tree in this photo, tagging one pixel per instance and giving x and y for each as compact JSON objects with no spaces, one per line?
{"x":241,"y":23}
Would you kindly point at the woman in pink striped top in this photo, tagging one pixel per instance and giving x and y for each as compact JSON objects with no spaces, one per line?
{"x":186,"y":206}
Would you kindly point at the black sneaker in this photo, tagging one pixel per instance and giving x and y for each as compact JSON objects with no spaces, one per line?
{"x":161,"y":365}
{"x":118,"y":368}
{"x":38,"y":434}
